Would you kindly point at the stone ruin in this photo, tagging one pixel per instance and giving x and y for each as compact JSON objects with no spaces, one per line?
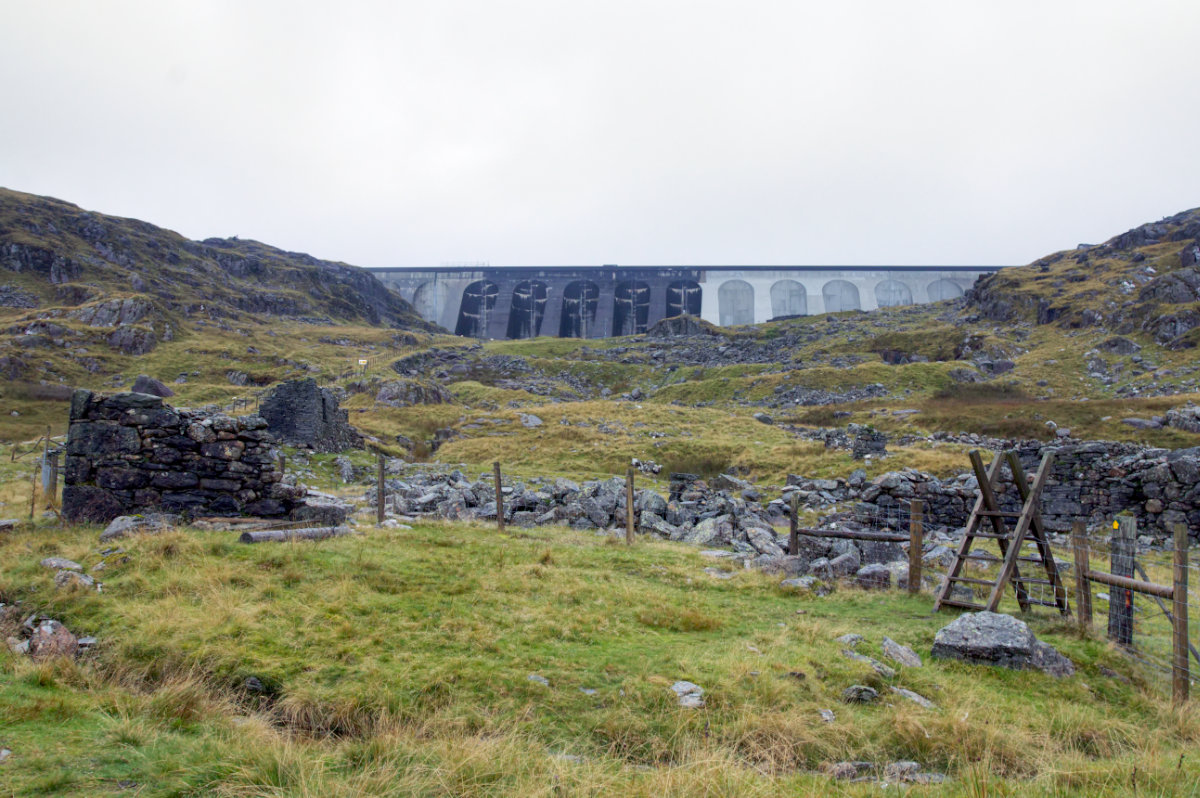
{"x":130,"y":453}
{"x":301,"y":413}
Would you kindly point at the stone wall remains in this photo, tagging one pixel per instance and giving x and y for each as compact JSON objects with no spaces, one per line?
{"x":1090,"y":481}
{"x":131,"y":453}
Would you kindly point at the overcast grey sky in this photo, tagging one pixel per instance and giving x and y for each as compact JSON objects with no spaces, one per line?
{"x":579,"y":132}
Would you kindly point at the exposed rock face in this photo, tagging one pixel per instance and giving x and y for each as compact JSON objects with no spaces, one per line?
{"x":989,"y":638}
{"x":403,"y":393}
{"x":130,"y":454}
{"x":301,"y":413}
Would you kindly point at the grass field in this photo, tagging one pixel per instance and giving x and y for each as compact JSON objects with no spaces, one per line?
{"x":398,"y":662}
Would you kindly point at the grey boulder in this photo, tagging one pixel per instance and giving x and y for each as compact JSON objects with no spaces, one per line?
{"x":989,"y":638}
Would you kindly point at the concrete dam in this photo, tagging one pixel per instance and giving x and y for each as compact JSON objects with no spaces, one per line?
{"x":602,"y":301}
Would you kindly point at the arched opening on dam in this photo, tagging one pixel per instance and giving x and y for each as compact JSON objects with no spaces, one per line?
{"x":528,"y":310}
{"x":425,"y":300}
{"x":479,"y":298}
{"x":944,"y":289}
{"x":735,"y":300}
{"x":683,"y":296}
{"x":579,"y":303}
{"x":890,"y":293}
{"x":840,"y":295}
{"x":788,"y":298}
{"x":631,"y":308}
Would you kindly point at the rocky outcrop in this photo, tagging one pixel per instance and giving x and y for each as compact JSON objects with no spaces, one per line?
{"x":65,"y":246}
{"x":301,"y":413}
{"x":404,"y":393}
{"x":131,"y":454}
{"x":681,"y":327}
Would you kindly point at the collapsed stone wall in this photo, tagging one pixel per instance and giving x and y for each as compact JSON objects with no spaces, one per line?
{"x":130,"y":453}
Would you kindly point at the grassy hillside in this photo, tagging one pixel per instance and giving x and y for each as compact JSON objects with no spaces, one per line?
{"x":399,"y":662}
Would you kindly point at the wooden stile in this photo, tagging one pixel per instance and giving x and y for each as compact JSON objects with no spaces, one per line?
{"x":1028,"y":524}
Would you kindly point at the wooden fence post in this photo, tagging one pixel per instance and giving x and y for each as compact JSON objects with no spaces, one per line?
{"x":1083,"y":588}
{"x":794,"y":527}
{"x":916,"y":544}
{"x":1180,"y":672}
{"x":51,"y":484}
{"x":380,"y":493}
{"x":1120,"y":602}
{"x":629,"y":506}
{"x":37,"y":473}
{"x":499,"y":497}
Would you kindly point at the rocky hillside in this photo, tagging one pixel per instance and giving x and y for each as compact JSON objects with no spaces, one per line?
{"x":1144,"y":280}
{"x":144,"y":283}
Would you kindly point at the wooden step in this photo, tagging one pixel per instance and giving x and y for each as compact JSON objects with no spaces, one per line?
{"x":998,"y":514}
{"x":1025,"y":580}
{"x":966,"y":605}
{"x":972,"y":581}
{"x":990,"y":535}
{"x":1039,"y":603}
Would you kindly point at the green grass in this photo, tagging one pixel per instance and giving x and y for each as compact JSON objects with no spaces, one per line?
{"x":402,"y":658}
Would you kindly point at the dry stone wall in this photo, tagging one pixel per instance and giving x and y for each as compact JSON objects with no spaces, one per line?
{"x":1090,"y":481}
{"x":131,"y":453}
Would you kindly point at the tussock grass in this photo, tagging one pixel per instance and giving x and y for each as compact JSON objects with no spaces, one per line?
{"x":398,"y":663}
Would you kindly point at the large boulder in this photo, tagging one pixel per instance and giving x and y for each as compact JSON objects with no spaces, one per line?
{"x":990,"y":638}
{"x":147,"y":384}
{"x":301,"y":413}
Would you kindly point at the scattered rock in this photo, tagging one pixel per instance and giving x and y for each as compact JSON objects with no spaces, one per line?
{"x":61,"y":563}
{"x":828,"y":716}
{"x":542,"y":680}
{"x":51,"y":639}
{"x":916,"y":698}
{"x":845,"y":771}
{"x":850,"y":641}
{"x":883,"y":670}
{"x":764,"y":418}
{"x":860,"y":694}
{"x":149,"y":524}
{"x":530,"y":421}
{"x":902,"y":654}
{"x":691,"y":696}
{"x":73,"y":579}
